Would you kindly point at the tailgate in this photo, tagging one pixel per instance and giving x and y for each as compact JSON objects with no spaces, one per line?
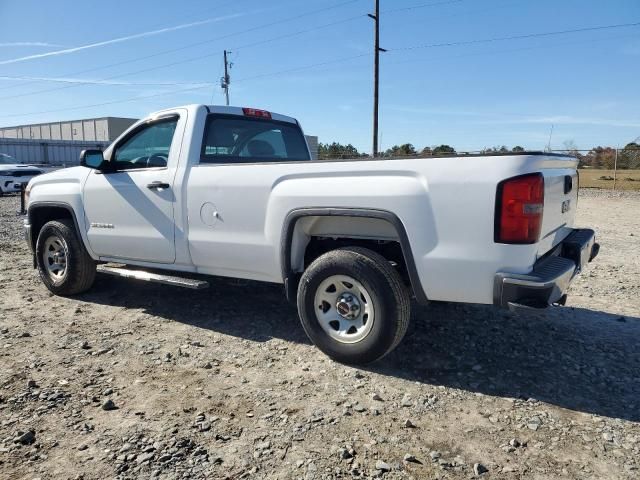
{"x":560,"y":201}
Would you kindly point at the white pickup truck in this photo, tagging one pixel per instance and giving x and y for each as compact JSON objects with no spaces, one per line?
{"x":227,"y":191}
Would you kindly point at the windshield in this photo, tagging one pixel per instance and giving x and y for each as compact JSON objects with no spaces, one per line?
{"x":7,"y":159}
{"x":236,"y":139}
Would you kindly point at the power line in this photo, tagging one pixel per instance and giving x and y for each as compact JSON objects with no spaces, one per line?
{"x":204,"y":42}
{"x":304,"y":67}
{"x":423,"y":5}
{"x":280,"y":72}
{"x":155,"y":25}
{"x":261,"y":42}
{"x":106,"y":79}
{"x":171,"y":92}
{"x":270,"y":74}
{"x":511,"y":50}
{"x":310,"y":66}
{"x":515,"y":37}
{"x":354,"y":57}
{"x":508,"y":3}
{"x":344,"y":59}
{"x":300,"y":32}
{"x":81,"y":107}
{"x":100,"y":82}
{"x":253,"y":44}
{"x":249,"y":45}
{"x":198,"y":14}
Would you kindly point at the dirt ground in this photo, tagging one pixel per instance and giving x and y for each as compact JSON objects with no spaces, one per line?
{"x":222,"y":383}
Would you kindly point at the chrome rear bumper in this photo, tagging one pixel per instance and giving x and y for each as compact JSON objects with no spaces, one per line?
{"x":550,"y":278}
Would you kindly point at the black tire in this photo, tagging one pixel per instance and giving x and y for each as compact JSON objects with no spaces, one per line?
{"x":80,"y":269}
{"x":388,"y":294}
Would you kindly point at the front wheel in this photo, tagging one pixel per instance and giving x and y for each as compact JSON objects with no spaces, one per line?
{"x":353,"y":305}
{"x":64,"y":265}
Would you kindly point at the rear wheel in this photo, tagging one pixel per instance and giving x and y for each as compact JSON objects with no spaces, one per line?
{"x":353,"y":305}
{"x":64,"y":265}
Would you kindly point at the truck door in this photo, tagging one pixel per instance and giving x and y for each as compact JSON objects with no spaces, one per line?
{"x":129,"y":210}
{"x":242,"y":160}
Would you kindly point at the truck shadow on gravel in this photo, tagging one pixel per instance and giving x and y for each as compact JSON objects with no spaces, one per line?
{"x":575,"y":358}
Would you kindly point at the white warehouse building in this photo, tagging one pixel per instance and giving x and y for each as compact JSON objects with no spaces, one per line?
{"x":60,"y":143}
{"x":104,"y":129}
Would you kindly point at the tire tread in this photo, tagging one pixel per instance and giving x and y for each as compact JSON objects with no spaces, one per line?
{"x":82,"y":271}
{"x":362,"y":263}
{"x":398,"y":288}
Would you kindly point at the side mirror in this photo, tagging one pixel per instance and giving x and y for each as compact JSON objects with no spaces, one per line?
{"x":92,"y":159}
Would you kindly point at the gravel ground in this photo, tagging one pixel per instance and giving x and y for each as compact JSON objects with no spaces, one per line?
{"x":140,"y":381}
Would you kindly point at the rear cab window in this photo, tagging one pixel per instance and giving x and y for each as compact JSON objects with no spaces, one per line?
{"x":238,"y":139}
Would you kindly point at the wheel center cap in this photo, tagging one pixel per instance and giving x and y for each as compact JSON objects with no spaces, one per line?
{"x":58,"y":258}
{"x":348,"y":306}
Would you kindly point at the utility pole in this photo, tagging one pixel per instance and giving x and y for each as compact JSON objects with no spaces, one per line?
{"x":550,"y":135}
{"x":226,"y":80}
{"x":376,"y":73}
{"x":615,"y":169}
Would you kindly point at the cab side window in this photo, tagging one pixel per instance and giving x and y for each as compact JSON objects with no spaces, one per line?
{"x":147,"y":147}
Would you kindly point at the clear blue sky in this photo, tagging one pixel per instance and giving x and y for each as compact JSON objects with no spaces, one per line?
{"x":469,"y":96}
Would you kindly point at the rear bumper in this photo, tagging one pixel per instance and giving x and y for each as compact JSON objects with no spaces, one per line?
{"x":550,"y":278}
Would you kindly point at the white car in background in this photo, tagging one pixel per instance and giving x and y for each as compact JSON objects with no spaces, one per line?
{"x":13,"y":174}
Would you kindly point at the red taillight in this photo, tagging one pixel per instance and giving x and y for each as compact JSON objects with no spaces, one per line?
{"x":254,"y":112}
{"x":519,"y":208}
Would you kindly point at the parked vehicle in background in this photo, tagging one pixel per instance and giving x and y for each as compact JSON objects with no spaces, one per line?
{"x":6,"y":159}
{"x":12,"y":175}
{"x":210,"y":190}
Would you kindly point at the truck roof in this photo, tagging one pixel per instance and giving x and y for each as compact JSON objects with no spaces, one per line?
{"x":228,"y":110}
{"x":223,"y":109}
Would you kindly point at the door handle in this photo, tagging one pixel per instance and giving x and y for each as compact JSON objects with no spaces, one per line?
{"x":157,"y":185}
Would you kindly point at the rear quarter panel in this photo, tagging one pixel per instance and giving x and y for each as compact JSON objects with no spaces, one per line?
{"x":253,"y":201}
{"x":446,"y":205}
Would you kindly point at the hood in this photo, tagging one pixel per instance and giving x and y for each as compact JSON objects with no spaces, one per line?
{"x":16,"y":166}
{"x":73,"y":174}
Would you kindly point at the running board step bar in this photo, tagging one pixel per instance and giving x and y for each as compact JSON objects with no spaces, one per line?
{"x":153,"y":277}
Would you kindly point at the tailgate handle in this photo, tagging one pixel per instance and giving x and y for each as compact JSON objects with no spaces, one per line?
{"x":568,"y":184}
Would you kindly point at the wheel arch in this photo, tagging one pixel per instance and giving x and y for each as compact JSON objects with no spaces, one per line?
{"x":40,"y":213}
{"x":291,"y":276}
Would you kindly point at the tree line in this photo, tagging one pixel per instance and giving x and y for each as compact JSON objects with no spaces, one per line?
{"x":597,"y":157}
{"x":605,"y":157}
{"x":337,"y":150}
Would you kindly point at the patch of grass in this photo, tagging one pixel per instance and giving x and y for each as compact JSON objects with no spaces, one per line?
{"x":595,"y":178}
